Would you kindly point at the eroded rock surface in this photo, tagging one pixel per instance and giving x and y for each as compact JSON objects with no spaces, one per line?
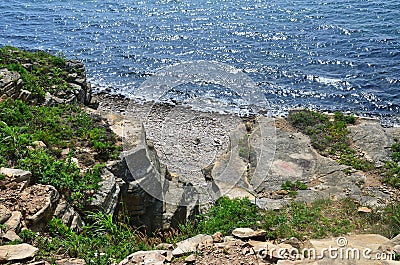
{"x":31,"y":206}
{"x":17,"y":252}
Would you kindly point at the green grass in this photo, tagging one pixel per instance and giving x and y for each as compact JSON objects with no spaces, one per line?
{"x":330,"y":137}
{"x":101,"y":242}
{"x":293,"y":187}
{"x":391,"y":170}
{"x":46,"y":72}
{"x":59,"y":127}
{"x":116,"y":240}
{"x":224,"y":216}
{"x":319,"y":219}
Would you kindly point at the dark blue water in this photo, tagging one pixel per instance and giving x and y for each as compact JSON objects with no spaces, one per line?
{"x":322,"y":54}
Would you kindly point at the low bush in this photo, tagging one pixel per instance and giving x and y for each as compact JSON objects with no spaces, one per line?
{"x":40,"y":71}
{"x":101,"y":242}
{"x":330,"y":137}
{"x":62,"y":127}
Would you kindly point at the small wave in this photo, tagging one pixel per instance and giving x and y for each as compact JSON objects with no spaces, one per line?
{"x":335,"y":82}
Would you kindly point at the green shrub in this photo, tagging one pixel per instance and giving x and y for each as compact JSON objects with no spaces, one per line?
{"x":27,"y":236}
{"x":293,"y":187}
{"x":225,"y":216}
{"x":47,"y":72}
{"x":391,"y":170}
{"x":58,"y":127}
{"x":101,"y":235}
{"x":330,"y":137}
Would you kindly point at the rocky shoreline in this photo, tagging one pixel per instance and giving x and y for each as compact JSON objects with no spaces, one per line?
{"x":292,"y":157}
{"x":176,"y":162}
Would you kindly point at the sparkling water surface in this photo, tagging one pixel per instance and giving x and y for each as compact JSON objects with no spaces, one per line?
{"x":329,"y":55}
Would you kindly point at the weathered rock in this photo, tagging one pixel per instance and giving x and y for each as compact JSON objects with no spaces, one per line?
{"x":38,"y":220}
{"x":17,"y":252}
{"x":396,"y":240}
{"x":248,"y":233}
{"x":218,"y":237}
{"x":375,"y":244}
{"x":190,"y":245}
{"x":149,"y":196}
{"x":370,"y":137}
{"x":10,"y":83}
{"x":14,"y":222}
{"x":270,"y":251}
{"x":71,"y":261}
{"x":5,"y":214}
{"x":396,"y":249}
{"x":10,"y":235}
{"x":153,"y":257}
{"x":231,"y":168}
{"x":190,"y":259}
{"x":68,"y":215}
{"x":271,"y":204}
{"x":106,"y":198}
{"x":42,"y":262}
{"x":15,"y":175}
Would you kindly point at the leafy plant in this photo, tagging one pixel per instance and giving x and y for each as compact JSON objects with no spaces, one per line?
{"x":391,"y":170}
{"x":27,"y":236}
{"x":101,"y":241}
{"x":330,"y":137}
{"x":293,"y":187}
{"x":40,"y":71}
{"x":225,"y":216}
{"x":59,"y":127}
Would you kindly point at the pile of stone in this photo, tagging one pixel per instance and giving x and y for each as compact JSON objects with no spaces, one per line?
{"x":24,"y":206}
{"x":12,"y":86}
{"x":247,"y":246}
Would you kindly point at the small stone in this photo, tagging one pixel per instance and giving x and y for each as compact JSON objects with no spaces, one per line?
{"x":229,"y":239}
{"x":247,"y":233}
{"x":10,"y":235}
{"x":245,"y":251}
{"x":165,"y":246}
{"x":190,"y":245}
{"x":282,"y":192}
{"x":296,"y":243}
{"x":65,"y":152}
{"x":190,"y":259}
{"x":218,"y":237}
{"x":364,"y":210}
{"x":14,"y":223}
{"x":70,"y":262}
{"x":147,"y":257}
{"x":39,"y":144}
{"x":17,"y":175}
{"x":5,"y":214}
{"x":17,"y":252}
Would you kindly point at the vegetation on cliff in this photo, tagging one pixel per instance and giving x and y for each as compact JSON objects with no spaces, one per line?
{"x":40,"y":71}
{"x":46,"y":140}
{"x":65,"y":131}
{"x":330,"y":136}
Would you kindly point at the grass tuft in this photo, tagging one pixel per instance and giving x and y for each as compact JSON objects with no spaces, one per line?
{"x":330,"y":137}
